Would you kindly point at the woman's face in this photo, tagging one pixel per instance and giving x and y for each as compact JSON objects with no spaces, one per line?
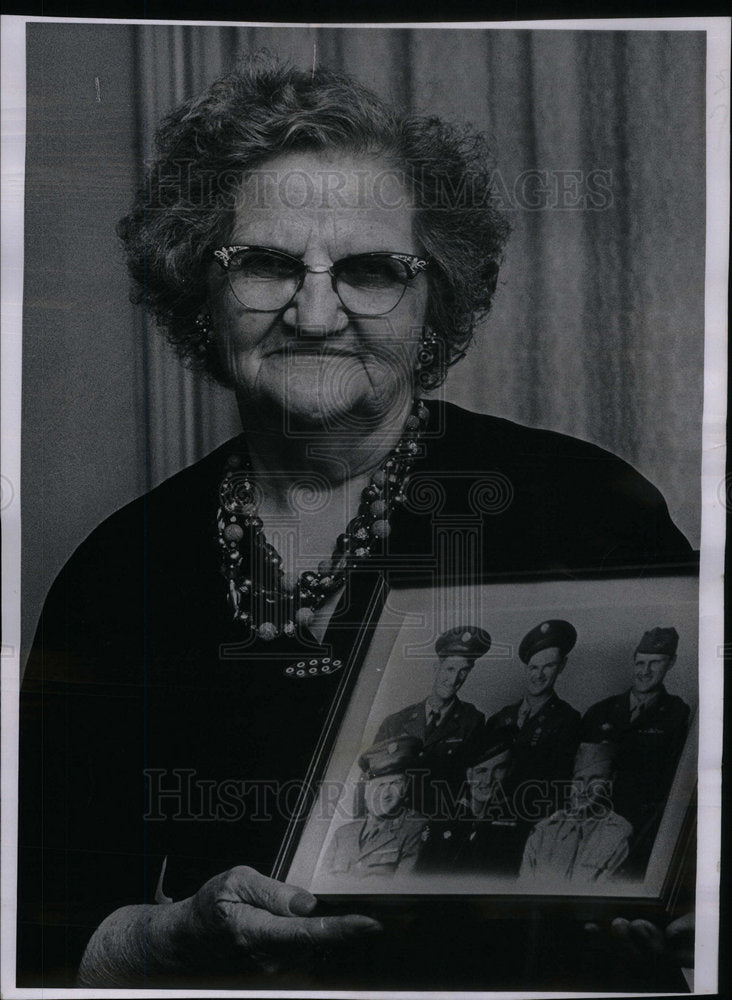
{"x":312,"y":363}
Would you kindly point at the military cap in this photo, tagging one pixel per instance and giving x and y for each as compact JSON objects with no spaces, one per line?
{"x":463,"y":640}
{"x":390,"y":756}
{"x":553,"y":632}
{"x":659,"y":640}
{"x":594,"y":753}
{"x":488,"y":749}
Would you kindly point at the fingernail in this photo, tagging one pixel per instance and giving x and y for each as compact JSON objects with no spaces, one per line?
{"x":364,"y":925}
{"x":302,"y":903}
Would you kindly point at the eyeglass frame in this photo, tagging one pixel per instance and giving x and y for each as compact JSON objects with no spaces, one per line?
{"x":414,"y":263}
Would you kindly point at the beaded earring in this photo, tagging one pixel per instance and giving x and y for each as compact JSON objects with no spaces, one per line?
{"x":430,"y":363}
{"x":203,"y":325}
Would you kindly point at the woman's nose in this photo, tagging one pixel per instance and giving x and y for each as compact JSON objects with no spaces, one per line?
{"x":316,"y":311}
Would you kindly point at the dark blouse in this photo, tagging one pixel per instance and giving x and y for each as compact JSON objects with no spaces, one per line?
{"x":150,"y":729}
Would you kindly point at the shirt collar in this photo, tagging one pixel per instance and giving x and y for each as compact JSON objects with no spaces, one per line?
{"x":636,"y":702}
{"x":535,"y":711}
{"x":441,"y":712}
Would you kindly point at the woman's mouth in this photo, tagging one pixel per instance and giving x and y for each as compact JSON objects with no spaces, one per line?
{"x":316,"y":348}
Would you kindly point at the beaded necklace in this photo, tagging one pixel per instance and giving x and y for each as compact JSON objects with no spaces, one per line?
{"x":271,"y":602}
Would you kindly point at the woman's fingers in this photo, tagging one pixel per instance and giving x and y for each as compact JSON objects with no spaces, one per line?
{"x":619,"y":928}
{"x":628,"y":947}
{"x":644,"y":940}
{"x":680,"y":939}
{"x":246,"y":885}
{"x":269,"y":920}
{"x":273,"y":941}
{"x":265,"y":927}
{"x":325,"y":931}
{"x":644,"y":935}
{"x":648,"y":936}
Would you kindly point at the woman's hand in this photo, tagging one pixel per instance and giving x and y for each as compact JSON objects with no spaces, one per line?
{"x":676,"y":943}
{"x":644,"y":940}
{"x":239,"y":921}
{"x":247,"y":917}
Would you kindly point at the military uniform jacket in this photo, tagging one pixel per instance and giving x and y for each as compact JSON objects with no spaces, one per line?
{"x":648,"y":750}
{"x":487,"y":846}
{"x":576,"y":849}
{"x":445,"y":747}
{"x":392,"y":849}
{"x":543,"y":752}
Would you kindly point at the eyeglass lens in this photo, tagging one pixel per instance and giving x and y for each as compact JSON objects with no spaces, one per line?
{"x":368,"y":286}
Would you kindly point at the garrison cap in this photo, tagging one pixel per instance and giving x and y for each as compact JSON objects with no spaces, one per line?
{"x":553,"y":632}
{"x":390,"y":756}
{"x":659,"y":640}
{"x":594,"y":753}
{"x":463,"y":640}
{"x":488,"y":749}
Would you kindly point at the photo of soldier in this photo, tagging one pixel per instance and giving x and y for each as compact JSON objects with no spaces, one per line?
{"x":483,"y":836}
{"x":587,"y":841}
{"x":447,"y":727}
{"x":542,"y":729}
{"x":648,"y":726}
{"x":386,"y":840}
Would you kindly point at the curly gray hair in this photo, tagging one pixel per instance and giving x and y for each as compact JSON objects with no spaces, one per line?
{"x":266,"y":108}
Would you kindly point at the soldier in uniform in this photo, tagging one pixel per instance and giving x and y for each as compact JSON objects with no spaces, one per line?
{"x":447,"y":726}
{"x":386,"y":841}
{"x":648,"y":726}
{"x":588,"y":841}
{"x":544,"y":730}
{"x":483,"y":836}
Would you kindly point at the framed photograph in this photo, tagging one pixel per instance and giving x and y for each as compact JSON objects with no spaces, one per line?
{"x":590,"y":798}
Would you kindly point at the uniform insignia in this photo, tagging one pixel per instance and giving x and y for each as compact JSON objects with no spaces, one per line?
{"x":472,"y":835}
{"x":447,"y":834}
{"x":544,"y":628}
{"x":425,"y":836}
{"x":606,"y":727}
{"x":467,"y":636}
{"x":393,"y":747}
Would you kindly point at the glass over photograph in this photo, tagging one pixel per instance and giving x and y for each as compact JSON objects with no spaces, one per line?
{"x":562,"y":760}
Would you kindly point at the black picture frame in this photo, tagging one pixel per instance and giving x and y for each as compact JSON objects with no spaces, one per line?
{"x":668,"y":879}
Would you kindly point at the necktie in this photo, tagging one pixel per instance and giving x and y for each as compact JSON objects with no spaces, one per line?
{"x":433,"y":719}
{"x":522,"y":716}
{"x":636,"y":712}
{"x":370,"y":833}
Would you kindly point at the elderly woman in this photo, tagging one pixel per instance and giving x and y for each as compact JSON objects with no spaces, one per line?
{"x":326,"y":258}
